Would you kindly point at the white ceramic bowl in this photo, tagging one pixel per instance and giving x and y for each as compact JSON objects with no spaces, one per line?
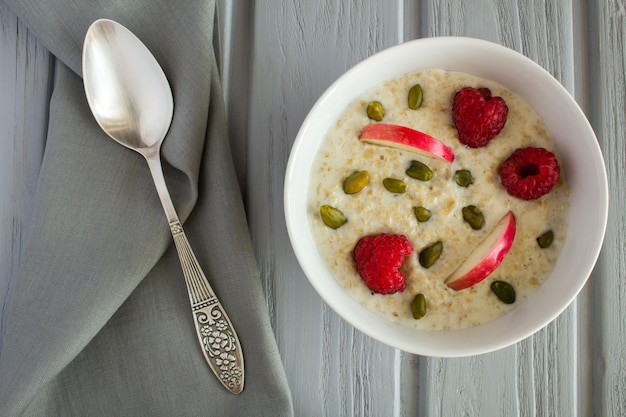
{"x":581,"y":160}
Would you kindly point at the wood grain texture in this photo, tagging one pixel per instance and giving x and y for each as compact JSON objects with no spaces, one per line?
{"x":538,"y":375}
{"x":551,"y":373}
{"x":276,"y":59}
{"x":298,"y":49}
{"x":609,"y":280}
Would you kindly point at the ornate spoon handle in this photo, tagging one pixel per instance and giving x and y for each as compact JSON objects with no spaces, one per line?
{"x":219,"y":341}
{"x":217,"y":337}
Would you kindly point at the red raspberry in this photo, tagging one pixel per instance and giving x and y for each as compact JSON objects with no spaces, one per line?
{"x":378,"y":259}
{"x":530,"y":173}
{"x":478,"y":116}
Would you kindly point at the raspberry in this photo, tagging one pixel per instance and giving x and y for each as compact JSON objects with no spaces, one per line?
{"x":530,"y":173}
{"x":478,"y":116}
{"x":378,"y":259}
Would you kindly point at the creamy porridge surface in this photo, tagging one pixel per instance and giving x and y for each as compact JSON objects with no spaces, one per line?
{"x":375,"y":210}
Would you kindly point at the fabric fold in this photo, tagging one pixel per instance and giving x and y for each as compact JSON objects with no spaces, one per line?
{"x":100,"y":321}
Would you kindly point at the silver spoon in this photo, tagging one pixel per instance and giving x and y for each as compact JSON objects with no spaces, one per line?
{"x":132,"y":102}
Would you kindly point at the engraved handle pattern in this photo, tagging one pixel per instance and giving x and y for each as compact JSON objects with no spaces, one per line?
{"x":219,"y":341}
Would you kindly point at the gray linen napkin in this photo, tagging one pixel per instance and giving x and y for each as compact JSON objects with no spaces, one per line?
{"x":100,"y":323}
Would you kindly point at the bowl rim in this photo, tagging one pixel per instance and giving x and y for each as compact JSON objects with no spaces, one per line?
{"x":512,"y":326}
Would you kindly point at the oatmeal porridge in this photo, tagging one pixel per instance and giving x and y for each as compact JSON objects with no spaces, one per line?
{"x":381,"y":208}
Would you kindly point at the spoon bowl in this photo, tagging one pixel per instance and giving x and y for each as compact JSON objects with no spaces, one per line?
{"x":132,"y":102}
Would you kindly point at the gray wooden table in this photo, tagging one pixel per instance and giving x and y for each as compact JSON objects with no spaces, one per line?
{"x":277,"y":58}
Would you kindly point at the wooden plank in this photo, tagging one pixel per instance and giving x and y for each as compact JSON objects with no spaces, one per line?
{"x":608,"y":101}
{"x":298,"y":49}
{"x":581,"y":90}
{"x":539,"y":375}
{"x":25,"y":85}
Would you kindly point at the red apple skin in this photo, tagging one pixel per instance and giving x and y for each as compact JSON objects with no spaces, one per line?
{"x":490,"y":261}
{"x":405,"y":138}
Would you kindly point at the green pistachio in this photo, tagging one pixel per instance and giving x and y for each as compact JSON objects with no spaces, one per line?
{"x":394,"y":186}
{"x":422,"y":214}
{"x":416,"y":96}
{"x":355,"y":182}
{"x":463,"y":177}
{"x":375,"y":110}
{"x":332,"y":217}
{"x":419,"y":171}
{"x":545,"y":240}
{"x":504,"y":291}
{"x":430,"y":254}
{"x":474,"y":217}
{"x":418,"y":306}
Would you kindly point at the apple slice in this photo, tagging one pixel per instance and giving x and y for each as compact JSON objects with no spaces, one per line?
{"x":487,"y":256}
{"x":405,"y":138}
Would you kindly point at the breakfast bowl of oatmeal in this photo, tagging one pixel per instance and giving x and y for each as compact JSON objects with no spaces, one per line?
{"x":447,"y":197}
